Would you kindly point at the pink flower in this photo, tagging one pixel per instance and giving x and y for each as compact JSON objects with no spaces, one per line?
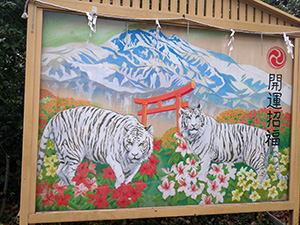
{"x":194,"y":191}
{"x":168,"y":172}
{"x":213,"y":188}
{"x":91,"y":184}
{"x":48,"y":197}
{"x":206,"y":200}
{"x":231,"y":171}
{"x":220,"y":197}
{"x":217,"y":169}
{"x":167,"y":188}
{"x":182,"y":186}
{"x":223,"y":180}
{"x":92,"y":167}
{"x":181,"y":171}
{"x":182,"y":148}
{"x":59,"y":188}
{"x":192,"y":162}
{"x":80,"y":189}
{"x":192,"y":176}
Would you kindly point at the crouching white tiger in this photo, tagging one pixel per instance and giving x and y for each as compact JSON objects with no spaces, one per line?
{"x":221,"y":142}
{"x":100,"y":135}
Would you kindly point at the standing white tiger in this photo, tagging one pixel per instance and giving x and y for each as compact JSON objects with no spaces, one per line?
{"x":221,"y":142}
{"x":100,"y":135}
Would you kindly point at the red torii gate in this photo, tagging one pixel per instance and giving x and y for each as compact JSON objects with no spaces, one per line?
{"x":159,"y":99}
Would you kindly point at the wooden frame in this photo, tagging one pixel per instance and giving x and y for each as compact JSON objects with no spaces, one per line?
{"x":285,"y":23}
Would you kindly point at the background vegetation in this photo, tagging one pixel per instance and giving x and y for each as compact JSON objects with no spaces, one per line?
{"x":12,"y":77}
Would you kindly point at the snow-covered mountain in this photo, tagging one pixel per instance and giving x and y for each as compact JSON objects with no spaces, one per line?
{"x":146,"y":61}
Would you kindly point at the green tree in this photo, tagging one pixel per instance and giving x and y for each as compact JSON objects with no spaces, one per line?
{"x":12,"y":76}
{"x":290,"y":6}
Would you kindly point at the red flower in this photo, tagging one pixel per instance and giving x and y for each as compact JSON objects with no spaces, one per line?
{"x":42,"y":188}
{"x":100,"y":200}
{"x":121,"y":191}
{"x":135,"y":193}
{"x":82,"y":168}
{"x":103,"y":190}
{"x":152,"y":160}
{"x":39,"y":189}
{"x":62,"y":199}
{"x":123,"y":202}
{"x":156,"y":145}
{"x":80,"y":177}
{"x":148,"y":169}
{"x":140,"y":186}
{"x":109,"y":174}
{"x":48,"y":198}
{"x":59,"y":188}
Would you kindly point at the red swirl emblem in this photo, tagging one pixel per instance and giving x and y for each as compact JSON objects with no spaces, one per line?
{"x":276,"y":57}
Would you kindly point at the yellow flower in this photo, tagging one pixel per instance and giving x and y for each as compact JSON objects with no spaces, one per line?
{"x":271,"y":160}
{"x":286,"y":151}
{"x":282,"y":185}
{"x":274,"y":177}
{"x":255,"y":184}
{"x":282,"y":168}
{"x":271,"y":168}
{"x":50,"y":171}
{"x":236,"y":195}
{"x":50,"y":144}
{"x":242,"y":172}
{"x":54,"y":158}
{"x":250,"y":175}
{"x":254,"y":196}
{"x":48,"y":161}
{"x":246,"y":187}
{"x":266,"y":184}
{"x":40,"y":177}
{"x":273,"y":192}
{"x":241,"y":182}
{"x":284,"y":159}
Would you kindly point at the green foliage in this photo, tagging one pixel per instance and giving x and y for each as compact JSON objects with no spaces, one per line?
{"x":12,"y":74}
{"x":290,"y":6}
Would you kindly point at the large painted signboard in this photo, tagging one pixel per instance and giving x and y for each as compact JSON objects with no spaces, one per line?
{"x":116,"y":131}
{"x":138,"y":117}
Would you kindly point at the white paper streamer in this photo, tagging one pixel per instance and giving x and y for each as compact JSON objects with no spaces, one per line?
{"x":92,"y":19}
{"x":230,"y":43}
{"x":289,"y":45}
{"x":157,"y":28}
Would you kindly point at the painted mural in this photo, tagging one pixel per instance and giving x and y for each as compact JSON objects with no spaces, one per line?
{"x":140,"y":117}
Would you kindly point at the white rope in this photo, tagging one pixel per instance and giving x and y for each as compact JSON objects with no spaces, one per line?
{"x":188,"y":31}
{"x":25,"y":15}
{"x":167,"y":19}
{"x":262,"y":44}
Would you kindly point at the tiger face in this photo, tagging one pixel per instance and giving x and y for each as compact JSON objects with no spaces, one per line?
{"x":138,"y":143}
{"x":191,"y":121}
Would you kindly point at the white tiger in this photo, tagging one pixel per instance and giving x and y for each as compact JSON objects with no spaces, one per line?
{"x":103,"y":136}
{"x":221,"y":142}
